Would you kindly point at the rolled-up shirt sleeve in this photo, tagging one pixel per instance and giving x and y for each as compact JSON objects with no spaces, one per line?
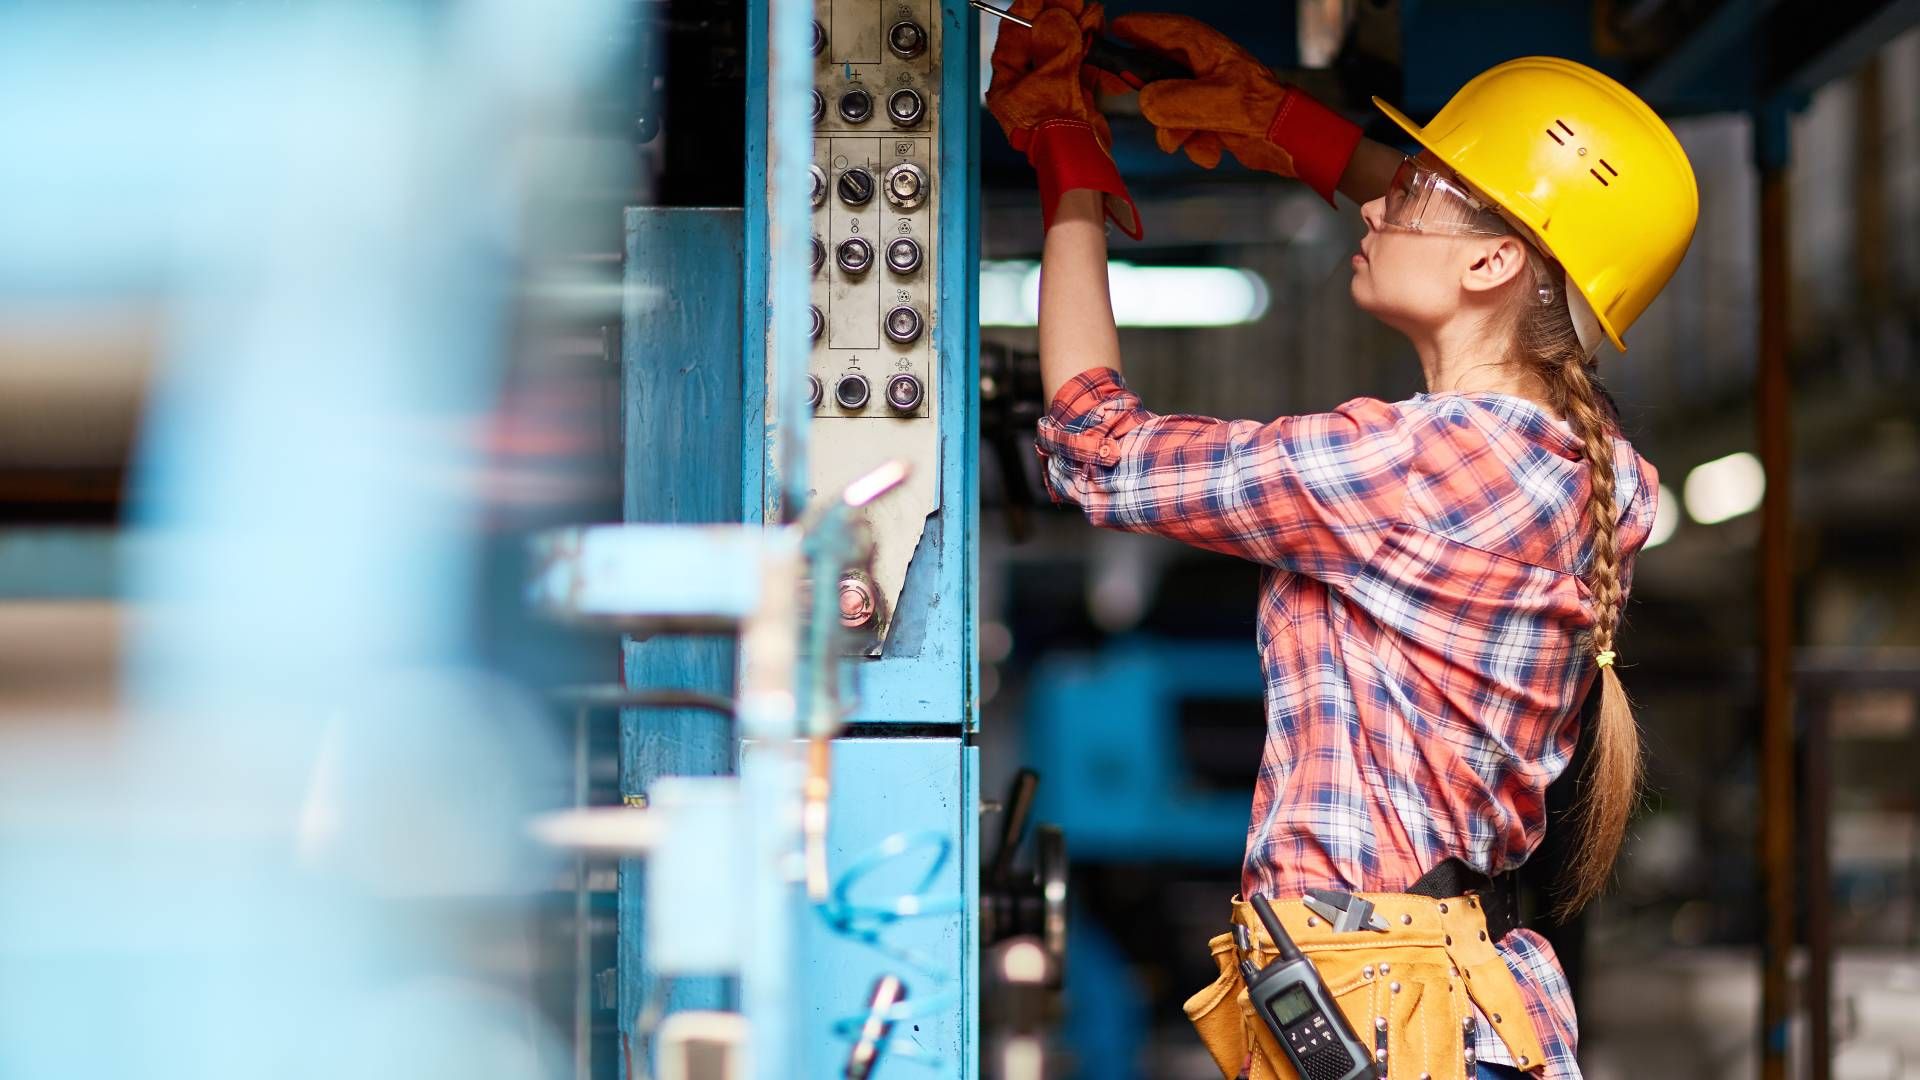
{"x":1310,"y":493}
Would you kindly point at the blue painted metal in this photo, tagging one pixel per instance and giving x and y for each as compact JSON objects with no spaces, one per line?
{"x":683,"y":459}
{"x":918,"y":794}
{"x":930,"y":673}
{"x":1102,"y":731}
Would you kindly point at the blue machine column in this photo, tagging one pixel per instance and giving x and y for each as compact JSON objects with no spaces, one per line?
{"x":891,"y":375}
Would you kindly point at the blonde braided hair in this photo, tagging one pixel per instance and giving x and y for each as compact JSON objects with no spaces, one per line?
{"x":1547,"y":346}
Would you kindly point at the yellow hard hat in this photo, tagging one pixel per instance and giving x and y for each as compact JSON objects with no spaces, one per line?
{"x":1595,"y":174}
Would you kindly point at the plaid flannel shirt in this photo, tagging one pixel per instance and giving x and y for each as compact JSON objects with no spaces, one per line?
{"x":1423,"y":626}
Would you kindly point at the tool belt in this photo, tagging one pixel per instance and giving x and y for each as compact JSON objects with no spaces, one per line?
{"x":1408,"y":990}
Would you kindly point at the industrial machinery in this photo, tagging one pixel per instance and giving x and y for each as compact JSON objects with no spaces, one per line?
{"x":838,"y":398}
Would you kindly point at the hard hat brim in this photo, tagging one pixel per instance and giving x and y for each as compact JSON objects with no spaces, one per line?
{"x":1419,"y":135}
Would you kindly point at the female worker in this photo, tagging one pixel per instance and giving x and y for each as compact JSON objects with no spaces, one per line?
{"x":1444,"y":574}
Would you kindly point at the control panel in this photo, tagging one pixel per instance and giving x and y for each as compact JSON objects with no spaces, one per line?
{"x":873,"y":374}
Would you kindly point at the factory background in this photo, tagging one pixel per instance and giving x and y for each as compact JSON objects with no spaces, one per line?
{"x":444,"y":632}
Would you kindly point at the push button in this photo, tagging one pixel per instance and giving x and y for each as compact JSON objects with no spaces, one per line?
{"x":903,"y":255}
{"x":903,"y":324}
{"x":854,"y":255}
{"x":852,"y":391}
{"x":904,"y":392}
{"x":906,"y":107}
{"x":906,"y":38}
{"x":856,"y":105}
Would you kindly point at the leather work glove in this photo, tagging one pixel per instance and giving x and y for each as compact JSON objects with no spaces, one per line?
{"x":1235,"y":103}
{"x":1046,"y":106}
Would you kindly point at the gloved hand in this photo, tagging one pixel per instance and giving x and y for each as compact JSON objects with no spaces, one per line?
{"x":1235,"y":103}
{"x":1046,"y":106}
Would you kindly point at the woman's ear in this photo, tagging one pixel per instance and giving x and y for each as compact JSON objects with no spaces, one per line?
{"x":1495,"y":261}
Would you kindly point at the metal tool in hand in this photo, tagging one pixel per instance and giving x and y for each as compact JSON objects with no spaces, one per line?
{"x":1344,"y":911}
{"x":1135,"y":67}
{"x":1295,"y":1004}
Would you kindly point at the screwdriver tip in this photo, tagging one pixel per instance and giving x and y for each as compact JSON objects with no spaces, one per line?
{"x":994,"y":11}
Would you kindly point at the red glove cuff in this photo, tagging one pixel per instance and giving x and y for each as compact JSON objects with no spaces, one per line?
{"x":1068,"y":157}
{"x":1319,"y":140}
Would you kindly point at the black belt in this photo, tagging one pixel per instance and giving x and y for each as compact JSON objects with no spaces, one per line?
{"x":1499,"y":896}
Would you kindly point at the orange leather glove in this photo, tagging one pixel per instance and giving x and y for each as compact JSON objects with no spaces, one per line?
{"x":1233,"y":102}
{"x":1046,"y":106}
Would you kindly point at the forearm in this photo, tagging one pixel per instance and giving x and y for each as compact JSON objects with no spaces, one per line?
{"x":1076,"y":311}
{"x":1369,"y":171}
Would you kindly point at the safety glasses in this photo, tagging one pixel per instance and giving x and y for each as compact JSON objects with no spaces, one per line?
{"x":1426,"y":200}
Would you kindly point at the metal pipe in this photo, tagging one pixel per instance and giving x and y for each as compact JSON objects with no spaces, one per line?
{"x":1772,"y":412}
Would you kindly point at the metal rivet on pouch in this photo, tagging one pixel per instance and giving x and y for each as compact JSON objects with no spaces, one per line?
{"x":1426,"y":1076}
{"x":1394,"y":986}
{"x":1406,"y":920}
{"x":1483,"y":935}
{"x":1367,"y":972}
{"x":1384,"y":968}
{"x":1496,"y":1018}
{"x":1443,"y":909}
{"x":1380,"y":1055}
{"x":1380,"y":1023}
{"x":1523,"y":1061}
{"x":1467,"y":1023}
{"x":1311,"y":921}
{"x":1449,"y":939}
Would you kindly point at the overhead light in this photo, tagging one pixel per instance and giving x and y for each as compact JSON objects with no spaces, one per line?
{"x":1725,"y":488}
{"x":1666,"y":518}
{"x":1160,"y":296}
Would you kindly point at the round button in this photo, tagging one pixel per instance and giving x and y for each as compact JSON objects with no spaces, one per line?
{"x":906,"y":107}
{"x":852,"y":391}
{"x":819,"y":38}
{"x":903,"y":324}
{"x":817,"y":178}
{"x":903,"y":255}
{"x":855,"y":106}
{"x":819,"y":322}
{"x":819,"y":106}
{"x":854,"y":255}
{"x":813,"y":392}
{"x":856,"y":187}
{"x":820,"y":254}
{"x":906,"y":185}
{"x":856,"y":603}
{"x":904,"y":392}
{"x":907,"y":39}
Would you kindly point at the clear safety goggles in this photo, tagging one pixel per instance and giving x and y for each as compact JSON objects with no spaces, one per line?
{"x":1426,"y":200}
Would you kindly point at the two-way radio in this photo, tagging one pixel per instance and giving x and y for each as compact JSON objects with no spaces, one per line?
{"x":1292,"y":999}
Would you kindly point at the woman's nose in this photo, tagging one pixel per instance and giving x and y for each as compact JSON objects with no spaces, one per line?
{"x":1373,"y":212}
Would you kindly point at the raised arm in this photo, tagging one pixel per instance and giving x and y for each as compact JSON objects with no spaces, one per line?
{"x":1076,"y":312}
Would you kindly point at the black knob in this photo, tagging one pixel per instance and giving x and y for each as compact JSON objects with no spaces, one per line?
{"x":906,"y":107}
{"x":820,"y":254}
{"x":907,"y":39}
{"x":855,"y":106}
{"x":819,"y":38}
{"x":852,"y":391}
{"x":819,"y":325}
{"x":903,"y":324}
{"x":854,"y":255}
{"x":903,"y":255}
{"x":813,"y":392}
{"x":856,"y":187}
{"x":819,"y":106}
{"x":904,"y":392}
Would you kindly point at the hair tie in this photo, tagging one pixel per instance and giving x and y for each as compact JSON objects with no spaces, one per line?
{"x":1605,"y":659}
